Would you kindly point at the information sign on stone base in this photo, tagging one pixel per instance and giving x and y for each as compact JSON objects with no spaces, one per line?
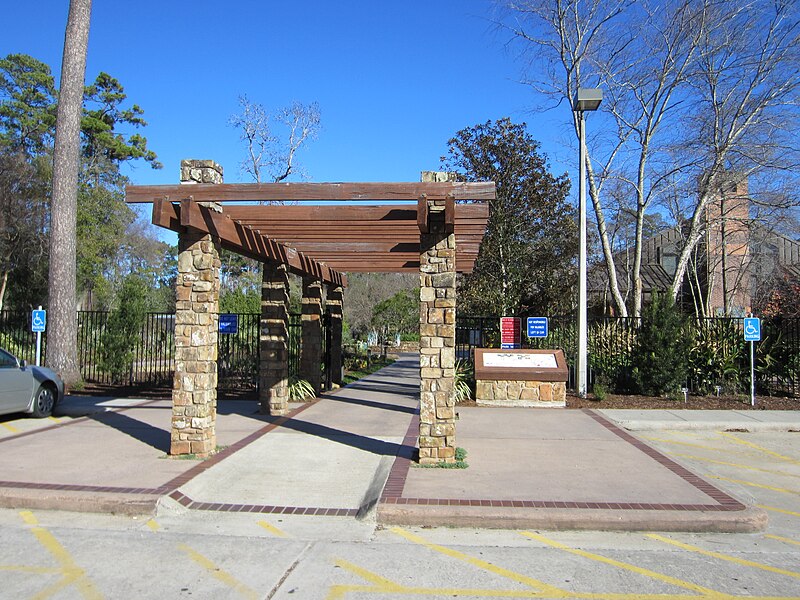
{"x":535,"y":378}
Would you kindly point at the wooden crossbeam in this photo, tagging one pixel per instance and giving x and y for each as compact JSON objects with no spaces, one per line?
{"x":280,"y":192}
{"x":238,"y":238}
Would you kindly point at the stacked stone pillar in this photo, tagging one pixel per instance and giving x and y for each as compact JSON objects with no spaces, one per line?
{"x":334,"y":304}
{"x":437,"y":337}
{"x":311,"y":327}
{"x":274,"y":339}
{"x":194,"y":395}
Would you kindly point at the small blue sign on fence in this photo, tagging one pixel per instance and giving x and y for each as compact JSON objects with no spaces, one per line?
{"x":38,"y":321}
{"x":537,"y":327}
{"x":752,"y":329}
{"x":229,"y":323}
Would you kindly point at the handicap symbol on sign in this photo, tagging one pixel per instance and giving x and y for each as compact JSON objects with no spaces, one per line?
{"x":750,"y":329}
{"x":37,"y":320}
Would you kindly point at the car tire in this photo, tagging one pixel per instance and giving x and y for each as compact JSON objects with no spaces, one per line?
{"x":44,"y":401}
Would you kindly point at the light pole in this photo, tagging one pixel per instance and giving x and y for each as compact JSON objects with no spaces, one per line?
{"x":586,"y":99}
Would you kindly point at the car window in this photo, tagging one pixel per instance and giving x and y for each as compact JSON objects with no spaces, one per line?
{"x":7,"y":361}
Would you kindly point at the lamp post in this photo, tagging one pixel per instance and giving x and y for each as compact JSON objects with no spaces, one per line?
{"x":585,"y":100}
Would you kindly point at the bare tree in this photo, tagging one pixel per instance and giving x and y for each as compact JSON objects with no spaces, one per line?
{"x":270,"y":154}
{"x":62,"y":336}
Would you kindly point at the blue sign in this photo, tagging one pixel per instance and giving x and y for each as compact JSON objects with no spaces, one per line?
{"x":38,"y":321}
{"x":752,"y":330}
{"x":537,"y":327}
{"x":229,"y":323}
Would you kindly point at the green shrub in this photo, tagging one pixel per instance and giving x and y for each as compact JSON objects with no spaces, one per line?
{"x":463,"y":381}
{"x":123,"y":329}
{"x":660,"y":357}
{"x":300,"y":390}
{"x":715,"y":356}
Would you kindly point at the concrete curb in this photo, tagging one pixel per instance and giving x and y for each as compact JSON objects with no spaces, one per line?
{"x":88,"y":502}
{"x":749,"y":520}
{"x":748,"y":426}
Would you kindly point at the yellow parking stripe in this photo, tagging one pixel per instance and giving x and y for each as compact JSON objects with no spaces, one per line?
{"x":153,"y":525}
{"x":756,"y":485}
{"x":272,"y":529}
{"x":11,"y":428}
{"x":692,"y":445}
{"x":381,"y":583}
{"x":482,"y":564}
{"x":72,"y":572}
{"x":219,"y":574}
{"x":733,"y":559}
{"x":706,"y":592}
{"x":778,"y":510}
{"x":735,"y":465}
{"x":782,"y":539}
{"x":733,"y":438}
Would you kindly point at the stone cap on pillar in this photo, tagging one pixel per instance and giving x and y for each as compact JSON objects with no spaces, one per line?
{"x":200,"y":171}
{"x":437,"y":176}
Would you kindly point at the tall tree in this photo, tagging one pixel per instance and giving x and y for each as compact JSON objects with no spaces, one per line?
{"x":527,"y":258}
{"x":63,"y":332}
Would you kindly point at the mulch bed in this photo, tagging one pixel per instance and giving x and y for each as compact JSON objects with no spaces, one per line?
{"x":692,"y":403}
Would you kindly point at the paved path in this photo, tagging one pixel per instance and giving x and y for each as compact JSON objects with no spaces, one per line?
{"x":350,"y":455}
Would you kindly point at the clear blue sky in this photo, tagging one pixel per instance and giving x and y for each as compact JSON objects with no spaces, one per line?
{"x":394,"y":80}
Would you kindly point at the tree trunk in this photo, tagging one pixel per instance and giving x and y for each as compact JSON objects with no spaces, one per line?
{"x":62,"y":355}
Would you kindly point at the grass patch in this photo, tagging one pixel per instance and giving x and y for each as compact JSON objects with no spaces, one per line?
{"x":460,"y":463}
{"x":377,"y":365}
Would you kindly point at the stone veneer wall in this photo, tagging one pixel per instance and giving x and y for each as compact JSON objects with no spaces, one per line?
{"x":521,"y":393}
{"x":194,"y":395}
{"x":437,"y":441}
{"x":274,"y":339}
{"x":311,"y":328}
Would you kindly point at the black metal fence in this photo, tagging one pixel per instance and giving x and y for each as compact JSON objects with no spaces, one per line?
{"x":719,"y":358}
{"x":153,"y":363}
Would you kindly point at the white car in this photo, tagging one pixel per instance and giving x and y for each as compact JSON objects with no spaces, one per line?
{"x":26,"y":388}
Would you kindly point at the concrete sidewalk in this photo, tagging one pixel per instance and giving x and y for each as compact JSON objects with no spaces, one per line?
{"x":350,"y":454}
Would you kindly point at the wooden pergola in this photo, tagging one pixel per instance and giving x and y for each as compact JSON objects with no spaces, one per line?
{"x":318,"y":231}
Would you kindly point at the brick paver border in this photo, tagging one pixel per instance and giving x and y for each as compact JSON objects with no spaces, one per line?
{"x":393,"y":491}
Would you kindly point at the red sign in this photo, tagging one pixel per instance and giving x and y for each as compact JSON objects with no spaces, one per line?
{"x":510,"y":332}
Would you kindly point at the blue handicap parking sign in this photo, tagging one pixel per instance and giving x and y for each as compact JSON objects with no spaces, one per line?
{"x":229,"y":323}
{"x":38,"y":321}
{"x":752,"y":330}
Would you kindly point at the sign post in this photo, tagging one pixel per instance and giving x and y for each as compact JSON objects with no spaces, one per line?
{"x":38,"y":326}
{"x":752,"y":333}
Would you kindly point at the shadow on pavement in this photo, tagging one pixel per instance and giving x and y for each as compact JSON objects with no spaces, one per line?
{"x":138,"y":430}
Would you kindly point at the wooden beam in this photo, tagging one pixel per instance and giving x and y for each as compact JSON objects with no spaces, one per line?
{"x":240,"y":239}
{"x":245,"y":192}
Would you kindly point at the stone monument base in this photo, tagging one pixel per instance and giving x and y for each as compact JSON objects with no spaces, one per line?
{"x":542,"y":394}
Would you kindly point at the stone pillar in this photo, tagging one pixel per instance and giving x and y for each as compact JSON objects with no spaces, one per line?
{"x":437,"y":338}
{"x":311,"y":344}
{"x":194,"y":393}
{"x":273,"y":393}
{"x":334,"y":303}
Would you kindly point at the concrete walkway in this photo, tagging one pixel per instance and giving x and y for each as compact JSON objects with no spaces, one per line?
{"x":350,"y":454}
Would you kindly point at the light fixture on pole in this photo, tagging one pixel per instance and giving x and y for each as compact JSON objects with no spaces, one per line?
{"x":585,"y":100}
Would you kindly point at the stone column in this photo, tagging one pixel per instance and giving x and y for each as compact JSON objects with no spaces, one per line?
{"x":194,"y":393}
{"x":437,"y":338}
{"x":311,"y":344}
{"x":334,"y":303}
{"x":273,"y":393}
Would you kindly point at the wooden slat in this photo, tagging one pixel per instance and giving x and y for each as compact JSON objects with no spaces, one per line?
{"x":241,"y":239}
{"x":280,"y":192}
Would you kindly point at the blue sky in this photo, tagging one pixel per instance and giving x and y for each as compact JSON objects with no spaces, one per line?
{"x":394,"y":80}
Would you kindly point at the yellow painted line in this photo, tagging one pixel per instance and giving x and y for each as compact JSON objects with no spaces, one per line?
{"x":72,"y":572}
{"x":691,"y":445}
{"x":55,"y":420}
{"x":378,"y":582}
{"x":153,"y":525}
{"x":756,"y":485}
{"x":29,"y":569}
{"x":726,"y":557}
{"x":733,"y":438}
{"x":11,"y":428}
{"x":736,"y":465}
{"x":482,"y":564}
{"x":780,"y":538}
{"x":272,"y":529}
{"x":778,"y":510}
{"x":218,"y":574}
{"x":706,"y":592}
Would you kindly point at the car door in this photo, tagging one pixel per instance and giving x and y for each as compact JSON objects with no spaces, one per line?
{"x":16,"y":384}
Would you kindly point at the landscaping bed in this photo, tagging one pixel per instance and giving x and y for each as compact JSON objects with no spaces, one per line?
{"x":692,"y":403}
